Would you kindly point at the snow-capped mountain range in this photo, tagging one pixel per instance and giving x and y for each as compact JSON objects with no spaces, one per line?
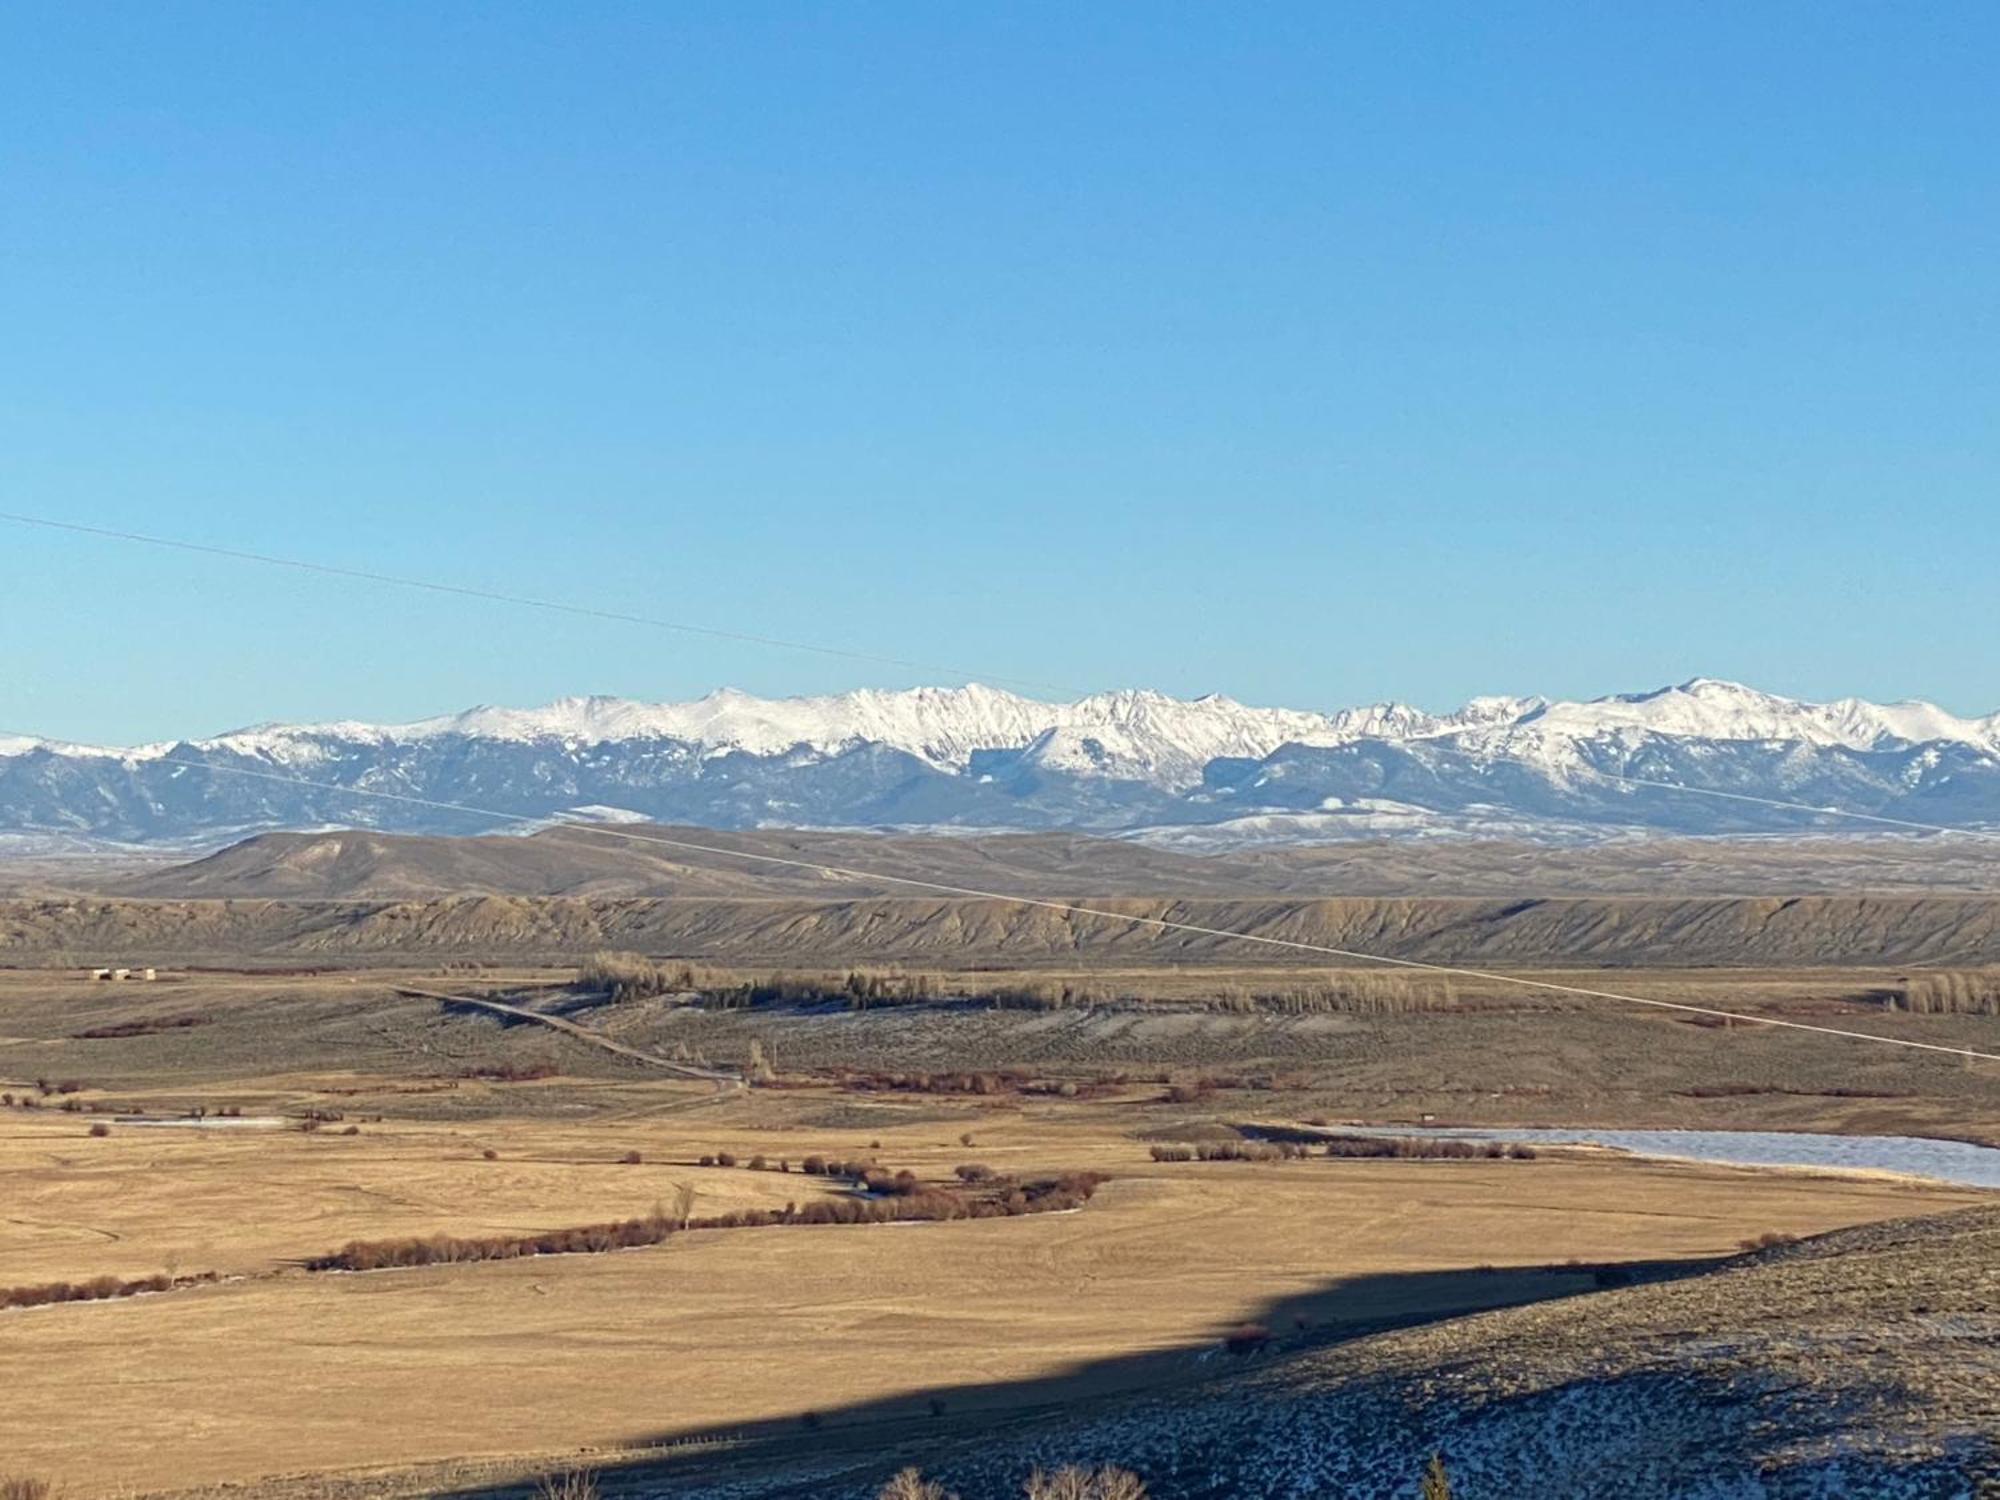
{"x":1206,"y":771}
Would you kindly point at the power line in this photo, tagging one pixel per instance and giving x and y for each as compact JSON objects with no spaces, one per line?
{"x":585,"y":611}
{"x":498,"y":596}
{"x":1161,"y":924}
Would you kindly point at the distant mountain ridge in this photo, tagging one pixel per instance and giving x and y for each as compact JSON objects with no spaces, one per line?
{"x":1205,"y":772}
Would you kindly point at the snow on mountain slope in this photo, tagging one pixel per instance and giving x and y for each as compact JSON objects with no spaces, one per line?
{"x":1149,"y":736}
{"x":1711,"y":710}
{"x":1133,"y":734}
{"x":1132,"y":762}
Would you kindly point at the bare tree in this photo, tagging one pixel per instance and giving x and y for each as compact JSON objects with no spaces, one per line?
{"x":683,"y":1209}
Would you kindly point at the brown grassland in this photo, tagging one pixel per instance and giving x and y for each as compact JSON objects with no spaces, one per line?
{"x":401,"y":1117}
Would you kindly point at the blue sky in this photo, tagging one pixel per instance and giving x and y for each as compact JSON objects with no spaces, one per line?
{"x":1309,"y":353}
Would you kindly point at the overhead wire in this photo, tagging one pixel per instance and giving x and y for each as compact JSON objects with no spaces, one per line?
{"x":568,"y":607}
{"x":938,"y":887}
{"x":1071,"y":908}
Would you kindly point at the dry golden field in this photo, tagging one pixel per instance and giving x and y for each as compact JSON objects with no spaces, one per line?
{"x":409,"y":1381}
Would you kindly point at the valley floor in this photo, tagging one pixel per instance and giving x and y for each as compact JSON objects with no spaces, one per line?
{"x":732,"y":1357}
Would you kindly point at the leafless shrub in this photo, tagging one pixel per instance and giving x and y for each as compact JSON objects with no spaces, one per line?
{"x":910,"y":1484}
{"x":631,"y":1159}
{"x":1767,"y":1239}
{"x":1119,"y":1484}
{"x":903,"y":1200}
{"x":141,"y":1028}
{"x":511,"y":1072}
{"x":97,"y":1289}
{"x":489,"y":1154}
{"x":1075,"y":1483}
{"x":858,"y":989}
{"x":1425,"y":1148}
{"x":1246,"y":1338}
{"x":24,"y":1487}
{"x":1231,"y":1151}
{"x":901,"y":1185}
{"x":100,"y":1130}
{"x":577,"y":1484}
{"x":627,"y":976}
{"x":1952,"y":992}
{"x":1362,"y":994}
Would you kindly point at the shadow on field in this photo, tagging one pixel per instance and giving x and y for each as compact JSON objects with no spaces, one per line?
{"x":854,"y":1444}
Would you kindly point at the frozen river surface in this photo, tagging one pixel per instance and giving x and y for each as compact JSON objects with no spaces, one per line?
{"x":1912,"y":1155}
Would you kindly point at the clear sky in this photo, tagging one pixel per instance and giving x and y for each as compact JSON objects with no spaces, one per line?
{"x":1310,"y":353}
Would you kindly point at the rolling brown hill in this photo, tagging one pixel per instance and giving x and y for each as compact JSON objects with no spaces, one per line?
{"x":564,"y":892}
{"x":1656,"y":932}
{"x":577,"y":861}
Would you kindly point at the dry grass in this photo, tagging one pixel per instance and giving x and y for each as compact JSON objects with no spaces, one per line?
{"x":312,"y":1373}
{"x":240,"y":1200}
{"x":430,"y":1363}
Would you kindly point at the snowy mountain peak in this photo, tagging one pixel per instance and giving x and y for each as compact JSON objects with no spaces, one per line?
{"x":1126,"y":761}
{"x":1708,"y":708}
{"x":1148,"y":733}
